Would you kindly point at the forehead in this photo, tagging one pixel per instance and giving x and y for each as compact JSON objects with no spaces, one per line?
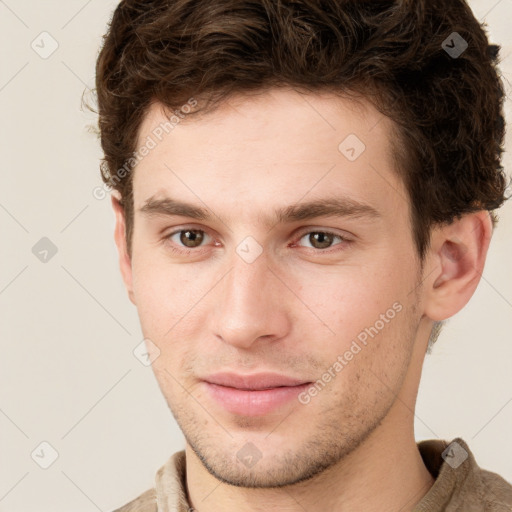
{"x":275,"y":146}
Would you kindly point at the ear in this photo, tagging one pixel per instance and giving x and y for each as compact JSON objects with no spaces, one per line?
{"x":456,"y":262}
{"x":120,"y":239}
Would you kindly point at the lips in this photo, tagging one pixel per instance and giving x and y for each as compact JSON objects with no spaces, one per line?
{"x":253,"y":382}
{"x":253,"y":395}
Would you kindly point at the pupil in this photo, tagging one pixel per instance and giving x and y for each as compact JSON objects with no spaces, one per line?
{"x":195,"y":235}
{"x":324,"y":241}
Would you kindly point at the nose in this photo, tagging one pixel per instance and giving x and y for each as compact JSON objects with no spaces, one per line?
{"x":251,"y":304}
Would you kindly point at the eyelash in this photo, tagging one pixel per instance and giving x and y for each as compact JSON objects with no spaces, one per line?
{"x":183,"y":251}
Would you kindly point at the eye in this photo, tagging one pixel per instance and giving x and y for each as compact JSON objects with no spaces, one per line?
{"x":187,"y":238}
{"x":322,"y":239}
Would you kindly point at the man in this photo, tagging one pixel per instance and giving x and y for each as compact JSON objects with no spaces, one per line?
{"x":303,"y":192}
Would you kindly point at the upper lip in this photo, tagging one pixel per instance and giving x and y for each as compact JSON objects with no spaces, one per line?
{"x":254,"y":381}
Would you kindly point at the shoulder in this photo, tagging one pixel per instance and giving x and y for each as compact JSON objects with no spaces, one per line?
{"x":146,"y":502}
{"x":169,"y":488}
{"x":490,"y":490}
{"x":460,"y":483}
{"x":495,"y":490}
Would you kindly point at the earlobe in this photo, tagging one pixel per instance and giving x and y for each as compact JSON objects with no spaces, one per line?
{"x":120,"y":240}
{"x":457,"y":259}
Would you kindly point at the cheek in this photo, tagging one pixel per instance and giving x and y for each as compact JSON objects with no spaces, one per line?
{"x":366,"y":322}
{"x":386,"y":345}
{"x":169,"y":304}
{"x":163,"y":292}
{"x":346,"y":300}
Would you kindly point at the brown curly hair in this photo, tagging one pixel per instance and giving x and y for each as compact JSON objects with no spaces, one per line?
{"x":448,"y":110}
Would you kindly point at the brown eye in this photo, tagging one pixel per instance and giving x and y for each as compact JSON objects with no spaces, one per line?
{"x":321,"y":239}
{"x":186,"y":240}
{"x":191,"y":237}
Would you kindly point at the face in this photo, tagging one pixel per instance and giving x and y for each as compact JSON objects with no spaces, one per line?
{"x":282,"y":304}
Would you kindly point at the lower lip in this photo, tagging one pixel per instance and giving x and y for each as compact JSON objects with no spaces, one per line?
{"x":254,"y":403}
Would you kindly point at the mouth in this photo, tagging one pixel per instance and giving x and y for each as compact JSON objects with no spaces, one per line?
{"x":253,"y":395}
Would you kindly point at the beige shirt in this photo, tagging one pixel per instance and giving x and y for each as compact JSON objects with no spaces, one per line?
{"x":460,"y":484}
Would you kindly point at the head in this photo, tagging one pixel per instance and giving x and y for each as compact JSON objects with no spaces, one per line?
{"x":339,"y":204}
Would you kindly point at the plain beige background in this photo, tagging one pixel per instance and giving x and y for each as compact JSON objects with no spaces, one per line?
{"x":68,"y":375}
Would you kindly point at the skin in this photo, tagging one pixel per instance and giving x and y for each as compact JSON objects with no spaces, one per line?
{"x":297,"y":306}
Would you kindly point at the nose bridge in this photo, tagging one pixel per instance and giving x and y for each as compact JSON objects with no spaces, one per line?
{"x":249,"y":280}
{"x":250,"y":303}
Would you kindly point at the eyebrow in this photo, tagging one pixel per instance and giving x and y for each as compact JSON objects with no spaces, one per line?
{"x":329,"y":206}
